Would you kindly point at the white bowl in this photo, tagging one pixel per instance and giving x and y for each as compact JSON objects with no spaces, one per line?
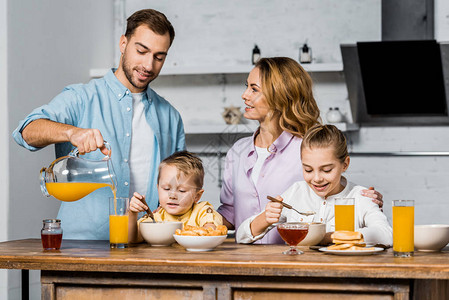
{"x":199,"y":243}
{"x":159,"y":234}
{"x":431,"y":238}
{"x":316,"y":233}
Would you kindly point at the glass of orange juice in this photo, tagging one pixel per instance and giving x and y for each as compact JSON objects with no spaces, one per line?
{"x":403,"y":227}
{"x":344,"y":214}
{"x":118,"y":222}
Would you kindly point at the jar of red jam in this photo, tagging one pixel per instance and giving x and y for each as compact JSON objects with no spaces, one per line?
{"x":51,"y":234}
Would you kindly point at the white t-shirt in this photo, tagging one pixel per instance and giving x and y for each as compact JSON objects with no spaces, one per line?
{"x":369,"y":219}
{"x":142,"y":144}
{"x":262,"y":154}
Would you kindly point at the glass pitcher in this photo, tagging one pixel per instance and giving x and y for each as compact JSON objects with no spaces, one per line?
{"x":70,"y":178}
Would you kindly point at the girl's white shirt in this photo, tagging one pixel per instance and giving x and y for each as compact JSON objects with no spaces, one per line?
{"x":369,"y":219}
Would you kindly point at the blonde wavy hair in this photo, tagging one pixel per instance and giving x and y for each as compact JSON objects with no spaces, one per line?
{"x":287,"y":87}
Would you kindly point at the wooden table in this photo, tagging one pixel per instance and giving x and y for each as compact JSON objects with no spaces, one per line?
{"x":89,"y":269}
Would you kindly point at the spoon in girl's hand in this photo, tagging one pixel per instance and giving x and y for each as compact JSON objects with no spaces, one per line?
{"x":308,"y":213}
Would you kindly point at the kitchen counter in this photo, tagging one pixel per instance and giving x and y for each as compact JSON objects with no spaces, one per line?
{"x":231,"y":271}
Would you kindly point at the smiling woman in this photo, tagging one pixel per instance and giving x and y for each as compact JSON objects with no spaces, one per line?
{"x":279,"y":96}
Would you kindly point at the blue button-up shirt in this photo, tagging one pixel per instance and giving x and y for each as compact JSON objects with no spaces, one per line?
{"x":106,"y":104}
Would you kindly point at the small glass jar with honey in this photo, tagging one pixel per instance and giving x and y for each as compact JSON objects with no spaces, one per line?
{"x":51,"y":234}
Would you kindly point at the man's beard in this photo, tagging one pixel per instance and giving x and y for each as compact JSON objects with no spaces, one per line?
{"x":128,"y":70}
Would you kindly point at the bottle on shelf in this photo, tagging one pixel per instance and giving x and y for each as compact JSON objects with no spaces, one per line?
{"x":256,"y":55}
{"x":305,"y":54}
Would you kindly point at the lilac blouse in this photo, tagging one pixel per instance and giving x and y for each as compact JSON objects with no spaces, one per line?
{"x":240,"y":198}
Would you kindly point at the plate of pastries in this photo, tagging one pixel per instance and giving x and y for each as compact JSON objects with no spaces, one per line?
{"x":349,"y":243}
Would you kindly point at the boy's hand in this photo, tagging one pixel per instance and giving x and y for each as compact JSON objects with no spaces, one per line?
{"x":273,"y":211}
{"x":136,"y":205}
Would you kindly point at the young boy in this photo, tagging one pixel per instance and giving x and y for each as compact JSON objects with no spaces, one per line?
{"x":180,"y":187}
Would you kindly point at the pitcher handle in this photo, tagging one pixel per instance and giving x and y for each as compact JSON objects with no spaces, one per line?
{"x":75,"y":151}
{"x":43,"y":182}
{"x":106,"y":144}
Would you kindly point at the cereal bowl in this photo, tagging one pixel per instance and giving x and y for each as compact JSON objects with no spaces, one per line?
{"x":160,"y":233}
{"x":431,"y":238}
{"x":199,"y":243}
{"x":316,"y":233}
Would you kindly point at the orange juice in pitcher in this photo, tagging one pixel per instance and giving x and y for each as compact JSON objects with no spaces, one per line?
{"x":70,"y":178}
{"x":72,"y":191}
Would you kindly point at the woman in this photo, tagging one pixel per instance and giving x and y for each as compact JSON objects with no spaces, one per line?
{"x":279,"y":96}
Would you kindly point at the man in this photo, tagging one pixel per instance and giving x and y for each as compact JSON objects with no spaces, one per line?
{"x":120,"y":108}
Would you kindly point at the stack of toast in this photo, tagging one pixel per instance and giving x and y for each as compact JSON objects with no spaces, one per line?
{"x":348,"y":240}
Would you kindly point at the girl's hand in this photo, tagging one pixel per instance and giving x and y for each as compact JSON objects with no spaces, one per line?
{"x":375,"y":196}
{"x":136,"y":205}
{"x":273,"y":211}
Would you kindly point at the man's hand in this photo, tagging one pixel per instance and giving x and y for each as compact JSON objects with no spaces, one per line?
{"x":43,"y":132}
{"x":87,"y":140}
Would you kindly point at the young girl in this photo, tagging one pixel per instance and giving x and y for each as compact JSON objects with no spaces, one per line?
{"x":324,"y":158}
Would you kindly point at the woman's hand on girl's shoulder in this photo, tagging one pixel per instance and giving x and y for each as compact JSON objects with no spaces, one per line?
{"x":375,"y":196}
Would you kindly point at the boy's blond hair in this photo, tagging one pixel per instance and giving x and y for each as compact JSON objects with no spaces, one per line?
{"x":187,"y":163}
{"x":322,"y":136}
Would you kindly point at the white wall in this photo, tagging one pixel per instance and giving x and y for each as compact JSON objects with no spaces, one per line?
{"x":441,"y":20}
{"x":50,"y":44}
{"x":54,"y":43}
{"x":4,"y":139}
{"x":223,"y":32}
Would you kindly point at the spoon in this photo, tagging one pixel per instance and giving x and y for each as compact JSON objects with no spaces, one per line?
{"x":149,"y":212}
{"x":308,"y":213}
